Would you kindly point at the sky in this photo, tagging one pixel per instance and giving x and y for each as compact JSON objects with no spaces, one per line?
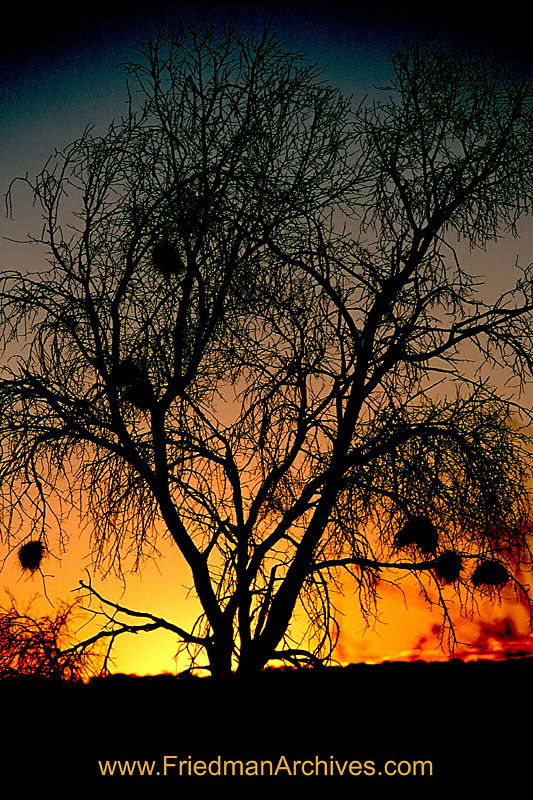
{"x":59,"y":72}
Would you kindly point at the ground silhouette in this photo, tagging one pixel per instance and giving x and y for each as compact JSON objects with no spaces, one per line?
{"x":466,"y":718}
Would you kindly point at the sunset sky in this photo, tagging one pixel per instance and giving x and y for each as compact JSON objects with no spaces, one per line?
{"x":59,"y":75}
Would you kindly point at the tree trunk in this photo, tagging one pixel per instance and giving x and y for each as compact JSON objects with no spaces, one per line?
{"x":251,"y":663}
{"x":220,"y":653}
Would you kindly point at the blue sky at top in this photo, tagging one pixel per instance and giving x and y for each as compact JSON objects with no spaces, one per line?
{"x":59,"y":69}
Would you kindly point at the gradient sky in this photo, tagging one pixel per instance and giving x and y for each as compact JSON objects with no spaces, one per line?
{"x":59,"y":73}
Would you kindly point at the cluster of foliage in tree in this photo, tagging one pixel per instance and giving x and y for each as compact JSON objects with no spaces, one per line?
{"x":256,"y":339}
{"x":44,"y":646}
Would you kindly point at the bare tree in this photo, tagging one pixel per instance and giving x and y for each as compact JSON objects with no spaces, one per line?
{"x":256,"y":339}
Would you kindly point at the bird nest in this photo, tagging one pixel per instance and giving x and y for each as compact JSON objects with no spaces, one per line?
{"x":139,"y":394}
{"x":420,"y":532}
{"x":166,"y":259}
{"x":128,"y":371}
{"x":31,"y":555}
{"x":490,"y":573}
{"x":448,"y":566}
{"x":132,"y":377}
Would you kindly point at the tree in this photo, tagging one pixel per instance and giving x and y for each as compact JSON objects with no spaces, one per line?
{"x":255,"y":337}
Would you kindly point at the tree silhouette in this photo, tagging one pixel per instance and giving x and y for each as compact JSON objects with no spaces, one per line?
{"x":256,"y":339}
{"x":44,"y":647}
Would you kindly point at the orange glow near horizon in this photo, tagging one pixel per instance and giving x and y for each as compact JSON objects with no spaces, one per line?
{"x":406,"y":628}
{"x":160,"y":588}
